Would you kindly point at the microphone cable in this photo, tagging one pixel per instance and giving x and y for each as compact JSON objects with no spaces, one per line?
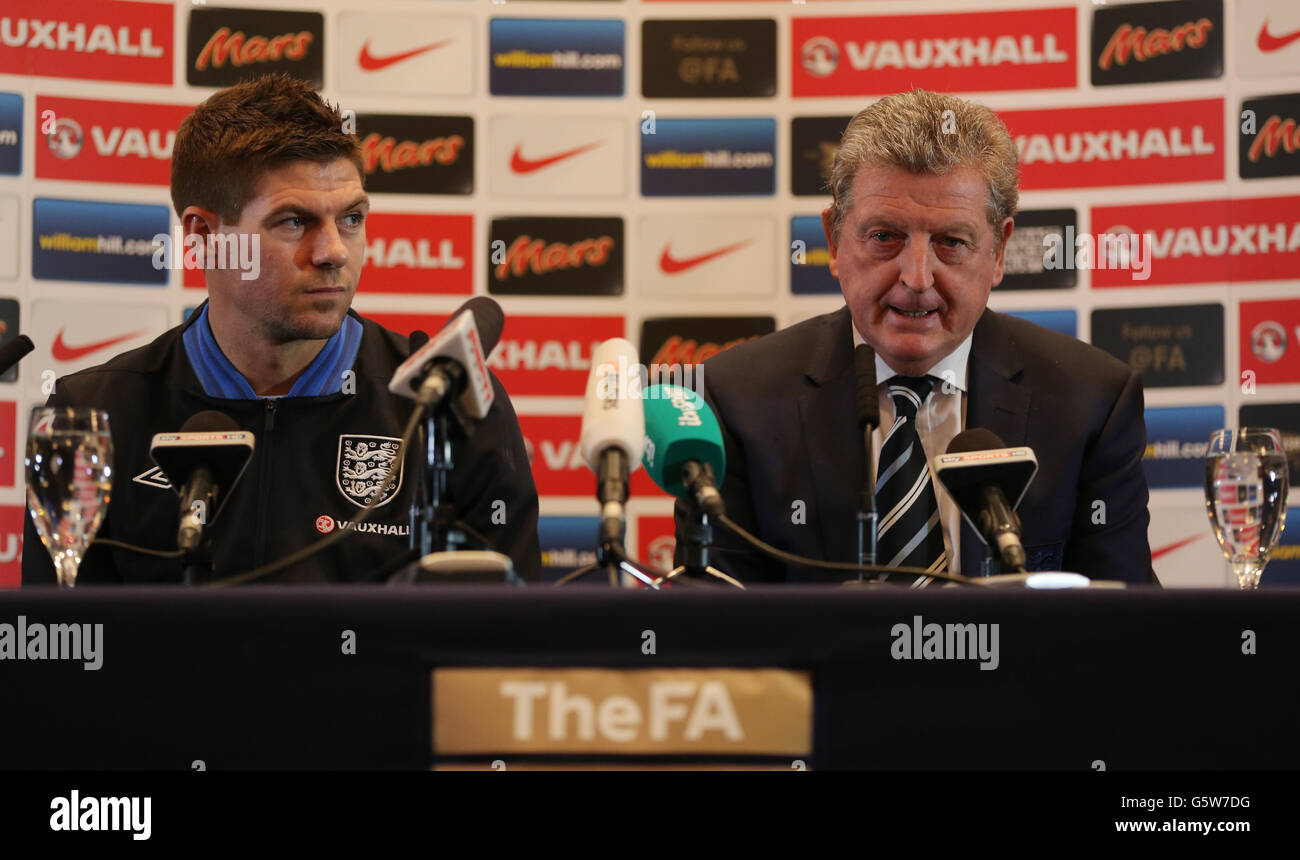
{"x":848,"y":567}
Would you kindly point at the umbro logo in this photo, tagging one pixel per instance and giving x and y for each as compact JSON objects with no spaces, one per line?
{"x":153,"y":478}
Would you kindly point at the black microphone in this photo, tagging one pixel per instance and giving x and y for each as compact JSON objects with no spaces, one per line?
{"x":203,"y":461}
{"x":13,"y":351}
{"x":981,"y":474}
{"x":864,"y":364}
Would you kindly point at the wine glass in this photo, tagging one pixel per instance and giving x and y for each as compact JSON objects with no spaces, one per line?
{"x":1246,"y":486}
{"x":69,"y":476}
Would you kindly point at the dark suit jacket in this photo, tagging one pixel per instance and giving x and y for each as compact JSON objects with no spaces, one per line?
{"x":786,"y":403}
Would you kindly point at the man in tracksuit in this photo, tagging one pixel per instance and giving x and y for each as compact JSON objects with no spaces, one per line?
{"x":283,"y":354}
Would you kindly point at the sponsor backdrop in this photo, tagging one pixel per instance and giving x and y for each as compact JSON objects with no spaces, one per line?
{"x":653,"y":169}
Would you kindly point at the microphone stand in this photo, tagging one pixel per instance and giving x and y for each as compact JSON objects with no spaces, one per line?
{"x":868,"y":516}
{"x":436,"y":536}
{"x":611,"y":554}
{"x":433,"y":516}
{"x":696,"y":537}
{"x":197,"y":564}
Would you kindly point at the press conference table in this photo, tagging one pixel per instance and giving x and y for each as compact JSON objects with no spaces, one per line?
{"x":256,"y":678}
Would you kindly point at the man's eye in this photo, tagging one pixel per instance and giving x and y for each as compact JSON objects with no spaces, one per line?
{"x":953,"y":242}
{"x":880,"y":235}
{"x":356,"y":219}
{"x":294,"y":221}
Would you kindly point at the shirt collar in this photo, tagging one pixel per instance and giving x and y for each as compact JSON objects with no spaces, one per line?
{"x":219,"y":377}
{"x":951,"y":367}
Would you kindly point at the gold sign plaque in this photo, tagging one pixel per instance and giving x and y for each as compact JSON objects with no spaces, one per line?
{"x":480,"y":711}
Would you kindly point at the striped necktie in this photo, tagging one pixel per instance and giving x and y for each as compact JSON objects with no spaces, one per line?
{"x":910,"y":533}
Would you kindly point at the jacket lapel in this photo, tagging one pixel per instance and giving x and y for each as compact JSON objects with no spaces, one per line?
{"x":996,"y":401}
{"x":827,"y":412}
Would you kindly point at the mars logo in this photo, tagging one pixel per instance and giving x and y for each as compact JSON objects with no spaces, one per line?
{"x":390,"y":155}
{"x":241,"y":50}
{"x":363,"y":465}
{"x":65,"y":138}
{"x":226,"y":46}
{"x":541,"y":257}
{"x":1275,"y":134}
{"x":1268,"y":342}
{"x":408,"y":154}
{"x":1151,"y":42}
{"x":1137,"y":43}
{"x":819,"y":56}
{"x":686,"y":341}
{"x":107,"y":40}
{"x":1269,"y":145}
{"x":556,"y":256}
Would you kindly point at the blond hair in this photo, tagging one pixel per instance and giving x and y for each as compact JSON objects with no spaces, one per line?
{"x":917,"y":132}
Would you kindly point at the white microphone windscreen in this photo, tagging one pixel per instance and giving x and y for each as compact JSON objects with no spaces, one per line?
{"x":613,"y":415}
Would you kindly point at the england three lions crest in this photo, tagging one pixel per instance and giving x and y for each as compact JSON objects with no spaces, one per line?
{"x":363,"y":464}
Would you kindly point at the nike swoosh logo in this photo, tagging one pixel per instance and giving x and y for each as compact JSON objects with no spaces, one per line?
{"x":62,"y":352}
{"x":1165,"y":550}
{"x":1268,"y":43}
{"x":519,"y":164}
{"x":671,"y":266}
{"x":371,"y":63}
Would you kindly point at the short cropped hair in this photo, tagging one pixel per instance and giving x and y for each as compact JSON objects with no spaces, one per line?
{"x":913,"y":131}
{"x":227,"y":144}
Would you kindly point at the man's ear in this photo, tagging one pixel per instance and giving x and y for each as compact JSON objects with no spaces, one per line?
{"x":1008,"y":224}
{"x":828,"y":220}
{"x":197,"y":221}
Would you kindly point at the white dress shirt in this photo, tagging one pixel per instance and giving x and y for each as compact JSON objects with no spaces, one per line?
{"x":941,"y":417}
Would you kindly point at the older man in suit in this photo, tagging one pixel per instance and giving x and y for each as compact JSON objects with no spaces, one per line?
{"x":925,"y":187}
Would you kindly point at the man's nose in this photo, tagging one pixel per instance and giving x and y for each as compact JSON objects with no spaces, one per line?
{"x":916,"y":271}
{"x":328,"y":249}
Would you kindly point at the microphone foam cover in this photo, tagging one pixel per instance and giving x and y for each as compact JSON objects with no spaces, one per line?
{"x":975,"y":439}
{"x":488,"y":317}
{"x":680,"y":426}
{"x":209,"y":421}
{"x":612,"y":413}
{"x":864,"y":363}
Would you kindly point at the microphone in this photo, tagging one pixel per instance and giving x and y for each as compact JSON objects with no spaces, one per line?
{"x":981,"y":474}
{"x":683,"y":446}
{"x":203,"y":461}
{"x":864,"y":365}
{"x":613,"y":429}
{"x":453,"y":363}
{"x":13,"y":351}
